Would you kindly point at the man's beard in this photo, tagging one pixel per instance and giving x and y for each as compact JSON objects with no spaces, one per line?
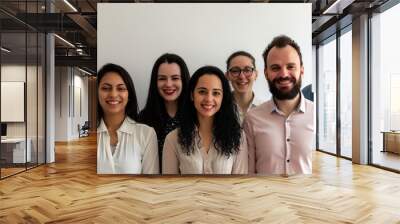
{"x":284,"y":95}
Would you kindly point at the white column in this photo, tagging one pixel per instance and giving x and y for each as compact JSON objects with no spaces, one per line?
{"x":50,"y":99}
{"x":50,"y":92}
{"x":360,"y":90}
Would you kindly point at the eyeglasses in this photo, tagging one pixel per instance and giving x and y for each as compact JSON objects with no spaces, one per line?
{"x":247,"y":71}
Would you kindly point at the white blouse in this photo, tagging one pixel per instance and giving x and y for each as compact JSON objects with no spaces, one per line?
{"x":136,"y":151}
{"x":176,"y":161}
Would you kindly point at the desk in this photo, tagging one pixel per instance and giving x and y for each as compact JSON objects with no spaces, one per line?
{"x":16,"y":147}
{"x":391,"y":141}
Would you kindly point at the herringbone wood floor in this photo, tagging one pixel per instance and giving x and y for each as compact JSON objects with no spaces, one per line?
{"x":69,"y":191}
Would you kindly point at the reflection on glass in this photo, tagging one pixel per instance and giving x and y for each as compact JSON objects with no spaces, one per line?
{"x":327,"y":97}
{"x":13,"y":71}
{"x":31,"y":100}
{"x":346,"y":94}
{"x":23,"y":91}
{"x":385,"y":89}
{"x":41,"y":99}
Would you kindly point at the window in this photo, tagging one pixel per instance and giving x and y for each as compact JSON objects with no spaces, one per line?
{"x":385,"y":89}
{"x":327,"y":97}
{"x":346,"y":94}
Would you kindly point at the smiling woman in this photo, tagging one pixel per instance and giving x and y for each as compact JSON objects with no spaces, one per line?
{"x":209,"y":140}
{"x":123,"y":145}
{"x":168,"y":86}
{"x":242,"y":73}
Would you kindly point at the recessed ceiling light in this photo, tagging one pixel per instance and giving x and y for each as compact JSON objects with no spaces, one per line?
{"x":5,"y":50}
{"x":337,"y":7}
{"x":70,"y":5}
{"x":64,"y":40}
{"x":84,"y":71}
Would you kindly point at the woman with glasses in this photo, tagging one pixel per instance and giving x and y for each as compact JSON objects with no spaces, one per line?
{"x":209,"y":140}
{"x":123,"y":145}
{"x":168,"y":86}
{"x":241,"y":72}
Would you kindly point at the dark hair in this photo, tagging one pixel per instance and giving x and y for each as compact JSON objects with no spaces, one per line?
{"x":153,"y":114}
{"x":281,"y":42}
{"x":226,"y":127}
{"x":240,"y":53}
{"x":131,"y":109}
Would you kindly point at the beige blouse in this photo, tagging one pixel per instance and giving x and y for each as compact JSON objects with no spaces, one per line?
{"x":176,"y":161}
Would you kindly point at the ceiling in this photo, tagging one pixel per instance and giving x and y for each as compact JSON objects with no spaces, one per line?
{"x":75,"y":21}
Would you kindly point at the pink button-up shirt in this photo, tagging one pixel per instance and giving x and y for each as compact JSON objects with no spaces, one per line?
{"x":280,"y":145}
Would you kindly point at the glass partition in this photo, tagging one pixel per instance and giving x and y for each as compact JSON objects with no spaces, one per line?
{"x":31,"y":97}
{"x":327,"y":97}
{"x":385,"y":89}
{"x":22,"y":79}
{"x":346,"y":94}
{"x":41,"y":96}
{"x":13,"y":86}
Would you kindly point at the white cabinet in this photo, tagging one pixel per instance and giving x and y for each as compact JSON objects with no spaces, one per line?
{"x":17,"y":146}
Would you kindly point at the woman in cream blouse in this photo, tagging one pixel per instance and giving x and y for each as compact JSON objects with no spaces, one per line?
{"x":123,"y":145}
{"x":209,"y":140}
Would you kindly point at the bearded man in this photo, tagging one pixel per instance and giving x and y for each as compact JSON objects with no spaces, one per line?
{"x":280,"y":131}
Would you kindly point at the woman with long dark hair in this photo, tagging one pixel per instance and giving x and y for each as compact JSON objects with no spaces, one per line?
{"x":168,"y":87}
{"x":123,"y":145}
{"x":209,"y":139}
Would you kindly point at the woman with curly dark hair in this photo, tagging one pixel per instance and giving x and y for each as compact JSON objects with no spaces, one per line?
{"x":168,"y":86}
{"x":209,"y":140}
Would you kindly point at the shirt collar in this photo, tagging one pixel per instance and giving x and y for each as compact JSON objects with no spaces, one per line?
{"x":253,"y":103}
{"x":302,"y":105}
{"x":125,"y":126}
{"x":300,"y":108}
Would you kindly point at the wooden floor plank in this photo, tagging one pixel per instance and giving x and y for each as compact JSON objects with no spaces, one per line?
{"x":70,"y":191}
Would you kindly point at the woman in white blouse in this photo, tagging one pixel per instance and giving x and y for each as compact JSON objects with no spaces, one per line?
{"x":209,"y":140}
{"x":123,"y":145}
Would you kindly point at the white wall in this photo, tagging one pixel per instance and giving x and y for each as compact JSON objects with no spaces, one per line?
{"x":81,"y":104}
{"x":16,"y":73}
{"x":69,"y":82}
{"x":202,"y":33}
{"x":12,"y":101}
{"x":61,"y":103}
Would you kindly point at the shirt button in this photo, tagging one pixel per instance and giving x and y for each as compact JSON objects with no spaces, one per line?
{"x":288,"y":160}
{"x":288,"y":140}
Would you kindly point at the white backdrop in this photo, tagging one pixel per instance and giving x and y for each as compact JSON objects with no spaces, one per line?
{"x":134,"y":35}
